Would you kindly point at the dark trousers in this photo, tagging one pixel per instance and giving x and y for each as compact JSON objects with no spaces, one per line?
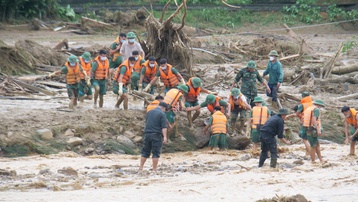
{"x":273,"y":94}
{"x":268,"y":144}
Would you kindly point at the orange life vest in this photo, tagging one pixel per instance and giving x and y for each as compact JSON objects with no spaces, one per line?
{"x":216,"y":103}
{"x":308,"y":116}
{"x":170,"y":79}
{"x":102,"y":69}
{"x":149,"y":71}
{"x":116,"y":54}
{"x":219,"y":123}
{"x":137,"y":67}
{"x":352,"y":120}
{"x":259,"y":113}
{"x":306,"y":102}
{"x":85,"y":66}
{"x":192,"y":95}
{"x":126,"y":77}
{"x":152,"y":105}
{"x":73,"y":73}
{"x":232,"y":102}
{"x":172,"y":97}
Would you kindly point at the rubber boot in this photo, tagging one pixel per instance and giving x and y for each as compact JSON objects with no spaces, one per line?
{"x":273,"y":162}
{"x":100,"y":101}
{"x":262,"y":161}
{"x":188,"y":115}
{"x":195,"y":116}
{"x":119,"y":102}
{"x":125,"y":104}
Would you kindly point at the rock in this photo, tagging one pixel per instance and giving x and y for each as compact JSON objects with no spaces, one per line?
{"x":69,"y":133}
{"x":45,"y":134}
{"x":9,"y":134}
{"x":68,"y":171}
{"x":245,"y":157}
{"x":201,"y":140}
{"x":221,"y":69}
{"x":137,"y":139}
{"x":74,"y":141}
{"x":7,"y":172}
{"x":129,"y":134}
{"x":238,"y":142}
{"x":89,"y":150}
{"x":45,"y":171}
{"x":126,"y":141}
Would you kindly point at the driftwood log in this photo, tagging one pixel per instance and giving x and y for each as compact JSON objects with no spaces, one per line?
{"x":348,"y":97}
{"x":345,"y":69}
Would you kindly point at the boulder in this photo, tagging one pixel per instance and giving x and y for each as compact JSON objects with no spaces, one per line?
{"x":138,"y":139}
{"x":129,"y":134}
{"x":201,"y":140}
{"x":74,"y":141}
{"x":7,"y":172}
{"x":126,"y":141}
{"x":68,"y":171}
{"x":69,"y":133}
{"x":238,"y":142}
{"x":45,"y":134}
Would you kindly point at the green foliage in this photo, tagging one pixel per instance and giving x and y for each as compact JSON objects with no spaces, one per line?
{"x":348,"y":45}
{"x":214,"y":2}
{"x":334,"y":13}
{"x":304,"y":11}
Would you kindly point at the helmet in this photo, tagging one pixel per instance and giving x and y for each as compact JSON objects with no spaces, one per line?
{"x":210,"y":99}
{"x":305,"y":94}
{"x":235,"y":92}
{"x":273,"y":53}
{"x":283,"y":111}
{"x":258,"y":99}
{"x":72,"y":58}
{"x":183,"y":87}
{"x":251,"y":64}
{"x":319,"y":102}
{"x":131,"y":35}
{"x":86,"y":56}
{"x":196,"y":82}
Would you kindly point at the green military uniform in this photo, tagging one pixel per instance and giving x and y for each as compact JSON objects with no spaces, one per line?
{"x":221,"y":103}
{"x":158,"y":75}
{"x":218,"y":140}
{"x":136,"y":76}
{"x":248,"y":87}
{"x":115,"y":83}
{"x":101,"y":83}
{"x":118,"y":60}
{"x":312,"y":133}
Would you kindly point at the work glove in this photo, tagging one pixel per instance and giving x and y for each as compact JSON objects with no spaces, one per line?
{"x":120,"y":89}
{"x":140,"y":86}
{"x":183,"y":81}
{"x":51,"y":75}
{"x":146,"y":89}
{"x":88,"y":81}
{"x":161,"y":84}
{"x":129,"y":88}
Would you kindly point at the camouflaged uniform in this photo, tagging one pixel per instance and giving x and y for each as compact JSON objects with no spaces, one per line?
{"x":248,"y":87}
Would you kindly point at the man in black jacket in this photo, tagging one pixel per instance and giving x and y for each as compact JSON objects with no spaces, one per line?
{"x":273,"y":126}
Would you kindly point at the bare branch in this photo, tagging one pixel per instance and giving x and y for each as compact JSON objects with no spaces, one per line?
{"x":183,"y":18}
{"x":164,"y":11}
{"x":173,"y":15}
{"x":231,"y":6}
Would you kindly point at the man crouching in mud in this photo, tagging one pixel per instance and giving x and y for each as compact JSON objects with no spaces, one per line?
{"x":155,"y":135}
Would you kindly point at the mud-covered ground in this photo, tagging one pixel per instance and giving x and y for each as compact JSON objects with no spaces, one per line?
{"x":98,"y":169}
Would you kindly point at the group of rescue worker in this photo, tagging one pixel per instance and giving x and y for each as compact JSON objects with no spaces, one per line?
{"x":126,"y":68}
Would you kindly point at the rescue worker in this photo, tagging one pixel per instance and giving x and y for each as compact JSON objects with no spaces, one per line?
{"x":122,"y":78}
{"x":351,"y":118}
{"x":137,"y":68}
{"x":312,"y":122}
{"x":129,"y":46}
{"x":100,"y":73}
{"x":85,"y":85}
{"x":191,"y":99}
{"x":210,"y":102}
{"x":168,"y":75}
{"x":249,"y":76}
{"x":273,"y":126}
{"x":155,"y":135}
{"x":238,"y":106}
{"x":306,"y":102}
{"x":275,"y":71}
{"x":219,"y":126}
{"x":72,"y":70}
{"x":175,"y":98}
{"x":155,"y":103}
{"x":259,"y":114}
{"x":114,"y":51}
{"x":149,"y":69}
